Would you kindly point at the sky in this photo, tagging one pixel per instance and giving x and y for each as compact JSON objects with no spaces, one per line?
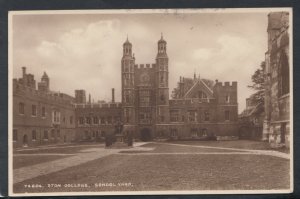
{"x":84,"y":51}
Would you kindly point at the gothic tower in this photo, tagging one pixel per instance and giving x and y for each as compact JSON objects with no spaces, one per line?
{"x":128,"y":98}
{"x":162,"y":83}
{"x":44,"y":85}
{"x":46,"y":79}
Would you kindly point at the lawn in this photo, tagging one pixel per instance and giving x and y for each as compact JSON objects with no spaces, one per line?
{"x":169,"y":172}
{"x":23,"y":161}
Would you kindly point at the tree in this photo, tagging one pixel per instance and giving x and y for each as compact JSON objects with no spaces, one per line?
{"x":258,"y":84}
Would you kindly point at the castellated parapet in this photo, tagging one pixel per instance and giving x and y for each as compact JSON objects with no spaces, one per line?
{"x":226,"y":84}
{"x":142,"y":66}
{"x":49,"y":97}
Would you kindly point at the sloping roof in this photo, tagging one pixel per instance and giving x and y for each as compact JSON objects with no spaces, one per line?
{"x":45,"y":75}
{"x":200,"y":84}
{"x":259,"y":108}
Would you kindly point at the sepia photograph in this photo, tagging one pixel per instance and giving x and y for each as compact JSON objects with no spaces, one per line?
{"x":141,"y":101}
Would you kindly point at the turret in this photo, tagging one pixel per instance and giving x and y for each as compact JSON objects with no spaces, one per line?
{"x":44,"y":85}
{"x":80,"y":97}
{"x":162,"y":47}
{"x":46,"y":79}
{"x":127,"y":64}
{"x":162,"y":81}
{"x":127,"y":48}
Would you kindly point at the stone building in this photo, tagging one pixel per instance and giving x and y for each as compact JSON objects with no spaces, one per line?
{"x":145,"y":93}
{"x":251,"y":121}
{"x":95,"y":120}
{"x":277,"y":72}
{"x":40,"y":116}
{"x":201,"y":106}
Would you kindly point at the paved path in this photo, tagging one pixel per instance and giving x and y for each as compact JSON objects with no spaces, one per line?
{"x":258,"y":152}
{"x":43,"y":154}
{"x":57,"y":147}
{"x":25,"y":173}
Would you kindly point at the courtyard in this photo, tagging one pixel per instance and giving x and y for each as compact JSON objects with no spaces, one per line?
{"x":151,"y":166}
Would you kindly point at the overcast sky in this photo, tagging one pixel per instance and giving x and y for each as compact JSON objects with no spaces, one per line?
{"x":81,"y":51}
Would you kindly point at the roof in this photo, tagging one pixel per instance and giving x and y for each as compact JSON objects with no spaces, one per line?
{"x":162,"y":39}
{"x":191,"y":84}
{"x":45,"y":76}
{"x":127,"y":42}
{"x":257,"y":109}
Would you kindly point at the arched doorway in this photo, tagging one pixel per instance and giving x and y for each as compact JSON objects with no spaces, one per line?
{"x":146,"y":135}
{"x":25,"y":141}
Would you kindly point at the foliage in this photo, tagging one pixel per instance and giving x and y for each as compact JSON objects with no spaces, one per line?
{"x":258,"y":84}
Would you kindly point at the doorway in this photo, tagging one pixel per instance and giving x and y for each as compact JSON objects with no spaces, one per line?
{"x":25,"y":140}
{"x":146,"y":135}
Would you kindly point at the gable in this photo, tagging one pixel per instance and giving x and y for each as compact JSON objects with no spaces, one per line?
{"x":198,"y":89}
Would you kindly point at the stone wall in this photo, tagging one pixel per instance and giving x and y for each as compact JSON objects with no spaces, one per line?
{"x":277,"y":99}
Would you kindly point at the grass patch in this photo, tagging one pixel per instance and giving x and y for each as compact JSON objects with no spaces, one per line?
{"x":165,"y":172}
{"x":23,"y":161}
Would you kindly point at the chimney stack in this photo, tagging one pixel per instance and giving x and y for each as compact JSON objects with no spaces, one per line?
{"x":113,"y":95}
{"x":89,"y":98}
{"x":24,"y":71}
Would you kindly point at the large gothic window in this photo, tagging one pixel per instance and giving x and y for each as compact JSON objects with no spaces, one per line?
{"x":283,"y":75}
{"x":162,"y":78}
{"x":174,"y":115}
{"x":201,"y":95}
